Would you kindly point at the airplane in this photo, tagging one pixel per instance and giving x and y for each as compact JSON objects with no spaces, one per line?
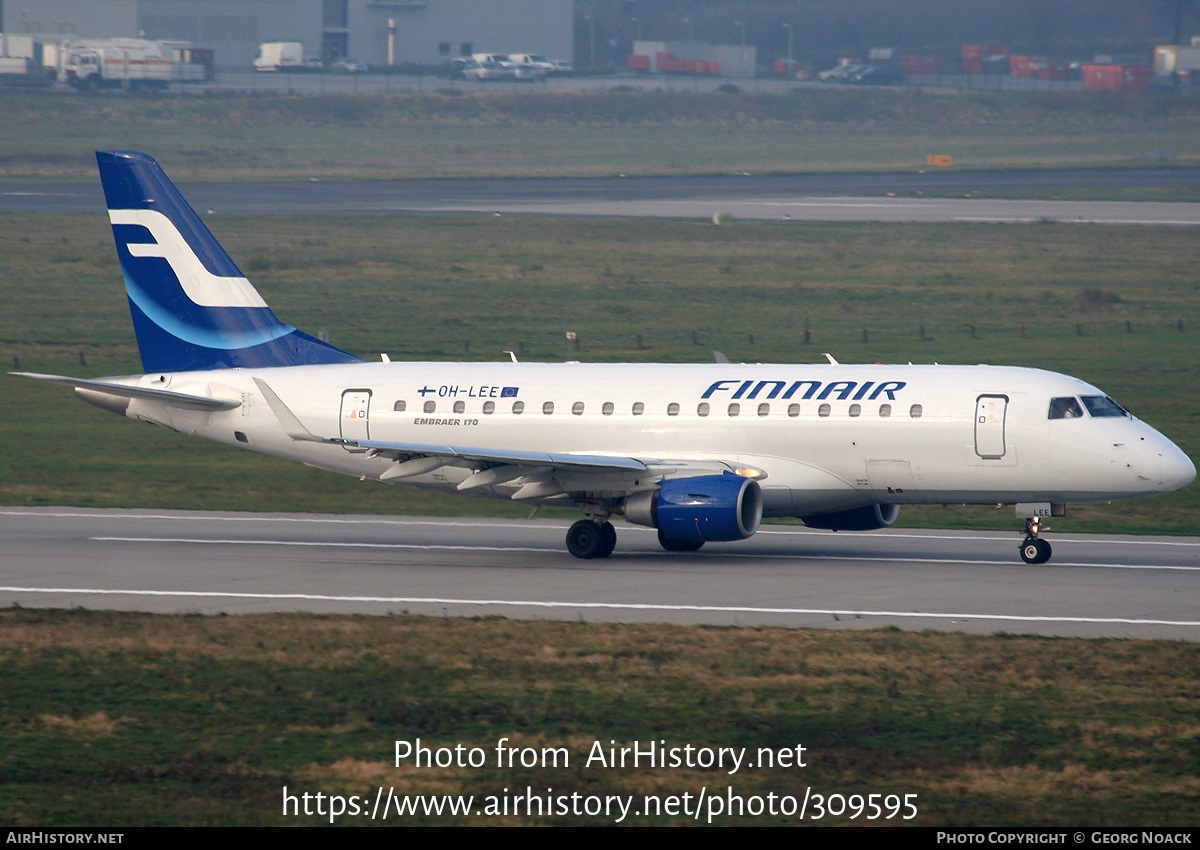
{"x":700,"y":452}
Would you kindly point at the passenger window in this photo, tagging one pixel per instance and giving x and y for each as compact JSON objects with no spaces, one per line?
{"x":885,"y":410}
{"x":764,"y":409}
{"x":702,"y":409}
{"x":399,"y":406}
{"x":1065,"y":408}
{"x":915,"y":411}
{"x":856,"y":410}
{"x":489,"y":407}
{"x":673,"y":409}
{"x":577,"y":408}
{"x":608,"y":408}
{"x":460,"y":406}
{"x":823,"y":410}
{"x":735,"y":409}
{"x":518,"y":407}
{"x":793,"y":410}
{"x":430,"y":406}
{"x":548,"y":408}
{"x":638,"y":408}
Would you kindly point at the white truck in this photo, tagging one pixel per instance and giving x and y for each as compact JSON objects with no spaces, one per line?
{"x":128,"y":63}
{"x":21,"y":61}
{"x":286,"y":57}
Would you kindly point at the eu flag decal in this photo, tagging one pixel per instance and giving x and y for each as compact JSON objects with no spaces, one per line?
{"x":508,"y":392}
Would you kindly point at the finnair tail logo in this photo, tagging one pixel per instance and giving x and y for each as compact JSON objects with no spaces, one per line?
{"x":204,"y":288}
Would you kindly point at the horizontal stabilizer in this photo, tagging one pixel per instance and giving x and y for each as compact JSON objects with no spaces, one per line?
{"x":293,"y":426}
{"x":172,"y":399}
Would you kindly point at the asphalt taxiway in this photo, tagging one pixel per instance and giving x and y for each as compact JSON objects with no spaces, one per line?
{"x":894,"y":197}
{"x":199,"y":562}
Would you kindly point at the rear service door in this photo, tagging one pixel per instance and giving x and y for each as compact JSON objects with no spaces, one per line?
{"x":990,"y":411}
{"x":356,"y":410}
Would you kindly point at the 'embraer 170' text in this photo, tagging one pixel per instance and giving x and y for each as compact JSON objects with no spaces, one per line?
{"x":838,"y":390}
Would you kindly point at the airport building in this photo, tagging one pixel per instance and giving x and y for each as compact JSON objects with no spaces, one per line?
{"x":378,"y":32}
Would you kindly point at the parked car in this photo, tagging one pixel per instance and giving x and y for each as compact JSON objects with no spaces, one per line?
{"x":489,"y":71}
{"x":348,"y":66}
{"x":875,"y":75}
{"x":532,"y":65}
{"x":839,"y":74}
{"x":453,"y":68}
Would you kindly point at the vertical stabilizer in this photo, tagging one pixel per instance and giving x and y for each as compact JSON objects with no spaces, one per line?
{"x":192,"y":307}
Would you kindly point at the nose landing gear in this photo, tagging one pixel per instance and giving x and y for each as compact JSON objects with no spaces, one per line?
{"x":1034,"y":550}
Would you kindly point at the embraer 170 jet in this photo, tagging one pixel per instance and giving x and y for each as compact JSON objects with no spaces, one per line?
{"x":700,"y":452}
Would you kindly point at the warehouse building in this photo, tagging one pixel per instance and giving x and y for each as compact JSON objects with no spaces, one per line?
{"x":378,"y":32}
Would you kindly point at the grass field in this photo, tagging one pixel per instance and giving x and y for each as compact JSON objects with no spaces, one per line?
{"x":1115,"y":306}
{"x":51,"y":137}
{"x":127,"y":719}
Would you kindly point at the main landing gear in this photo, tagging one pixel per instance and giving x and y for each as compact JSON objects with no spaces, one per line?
{"x":596,"y":538}
{"x":1034,"y":550}
{"x":591,"y":538}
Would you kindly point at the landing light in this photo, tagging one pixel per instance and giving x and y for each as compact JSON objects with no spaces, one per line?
{"x":750,"y":472}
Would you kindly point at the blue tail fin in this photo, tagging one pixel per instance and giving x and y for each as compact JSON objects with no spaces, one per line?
{"x":192,"y":308}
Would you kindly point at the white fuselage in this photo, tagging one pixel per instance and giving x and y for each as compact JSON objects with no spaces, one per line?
{"x":828,"y":437}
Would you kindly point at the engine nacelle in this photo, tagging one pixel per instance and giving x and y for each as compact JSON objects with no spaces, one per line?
{"x":705,"y":507}
{"x":866,"y":518}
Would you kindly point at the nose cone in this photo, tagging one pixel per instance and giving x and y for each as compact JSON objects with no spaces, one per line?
{"x":1176,"y":469}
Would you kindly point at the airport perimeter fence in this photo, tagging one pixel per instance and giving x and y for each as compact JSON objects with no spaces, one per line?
{"x":249,"y":83}
{"x":807,"y":344}
{"x":577,"y":345}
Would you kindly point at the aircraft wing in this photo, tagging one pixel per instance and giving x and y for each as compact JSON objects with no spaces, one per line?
{"x":173,"y":399}
{"x":579,"y":462}
{"x":602,"y":471}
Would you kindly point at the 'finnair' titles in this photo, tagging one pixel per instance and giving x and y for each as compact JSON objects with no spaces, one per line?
{"x":838,"y":390}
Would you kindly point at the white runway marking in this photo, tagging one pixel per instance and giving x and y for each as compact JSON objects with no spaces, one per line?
{"x":318,"y":544}
{"x":932,"y":534}
{"x":619,"y":606}
{"x":799,"y":556}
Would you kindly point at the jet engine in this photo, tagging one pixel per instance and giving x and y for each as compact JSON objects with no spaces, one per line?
{"x":705,"y":507}
{"x":866,"y":518}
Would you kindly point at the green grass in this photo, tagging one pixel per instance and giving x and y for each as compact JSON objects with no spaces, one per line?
{"x":51,"y":137}
{"x":470,"y":287}
{"x":113,"y":719}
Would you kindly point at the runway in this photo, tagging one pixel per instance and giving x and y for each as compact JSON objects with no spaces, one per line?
{"x":803,"y":197}
{"x":210,"y":563}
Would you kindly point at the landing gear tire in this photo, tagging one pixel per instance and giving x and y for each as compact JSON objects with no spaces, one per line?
{"x":588,"y":539}
{"x":610,"y":539}
{"x":1035,"y":551}
{"x":673,"y":545}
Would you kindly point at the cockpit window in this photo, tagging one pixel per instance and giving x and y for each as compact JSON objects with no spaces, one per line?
{"x":1065,"y":408}
{"x":1101,"y":406}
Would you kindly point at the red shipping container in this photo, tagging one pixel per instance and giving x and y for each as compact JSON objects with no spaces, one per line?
{"x":1021,"y":66}
{"x":1137,"y":77}
{"x":1101,"y":77}
{"x":922,"y":64}
{"x":972,"y":58}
